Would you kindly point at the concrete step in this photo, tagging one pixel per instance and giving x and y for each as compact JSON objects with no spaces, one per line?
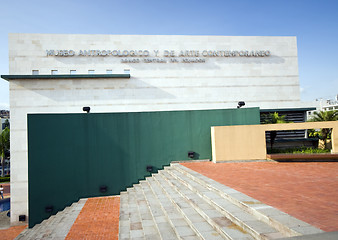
{"x":46,"y":228}
{"x":203,"y":217}
{"x":179,"y":225}
{"x":220,"y":207}
{"x":124,"y":222}
{"x":285,"y":224}
{"x":136,"y":229}
{"x":160,"y":220}
{"x":147,"y":220}
{"x":151,"y":230}
{"x":55,"y":227}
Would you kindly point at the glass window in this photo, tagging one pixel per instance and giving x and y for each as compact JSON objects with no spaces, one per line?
{"x":91,"y":71}
{"x":109,"y":71}
{"x":35,"y":72}
{"x":54,"y":72}
{"x":127,"y":71}
{"x":72,"y":71}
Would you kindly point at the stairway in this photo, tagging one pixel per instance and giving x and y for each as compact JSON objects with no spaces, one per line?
{"x":55,"y":227}
{"x":178,"y":203}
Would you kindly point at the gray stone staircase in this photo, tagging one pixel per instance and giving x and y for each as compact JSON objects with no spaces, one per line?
{"x":57,"y":226}
{"x":178,"y":203}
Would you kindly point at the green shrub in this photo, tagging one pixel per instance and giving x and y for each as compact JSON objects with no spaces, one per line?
{"x":299,"y":150}
{"x":5,"y":179}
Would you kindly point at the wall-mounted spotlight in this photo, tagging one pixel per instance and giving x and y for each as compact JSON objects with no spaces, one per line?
{"x":191,"y":154}
{"x":86,"y":109}
{"x":103,"y":188}
{"x":49,"y":209}
{"x":241,"y":104}
{"x":149,"y":168}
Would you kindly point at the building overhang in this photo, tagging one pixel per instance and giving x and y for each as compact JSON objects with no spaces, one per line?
{"x":64,"y":76}
{"x":288,"y":109}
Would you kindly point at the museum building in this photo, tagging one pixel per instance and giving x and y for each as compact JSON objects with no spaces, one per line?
{"x":134,"y":80}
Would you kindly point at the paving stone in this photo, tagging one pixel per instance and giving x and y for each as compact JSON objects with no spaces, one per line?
{"x":270,"y":211}
{"x":181,"y":222}
{"x":136,"y":233}
{"x":147,"y":223}
{"x":290,"y":221}
{"x":185,"y":231}
{"x":244,"y":217}
{"x":203,"y":226}
{"x":168,"y":231}
{"x":161,"y":219}
{"x":205,"y":206}
{"x":150,"y":230}
{"x":146,"y":216}
{"x":136,"y":226}
{"x":212,"y":213}
{"x":152,"y":237}
{"x":137,"y":238}
{"x":190,"y":238}
{"x":212,"y":235}
{"x":260,"y":227}
{"x":124,"y":223}
{"x":125,"y":235}
{"x":275,"y":235}
{"x":307,"y":230}
{"x":237,"y":233}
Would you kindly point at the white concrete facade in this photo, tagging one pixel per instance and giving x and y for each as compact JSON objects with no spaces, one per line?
{"x":217,"y":82}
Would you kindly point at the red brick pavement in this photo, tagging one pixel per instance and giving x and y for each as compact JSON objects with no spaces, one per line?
{"x":98,"y":219}
{"x":307,"y":191}
{"x":12,"y":232}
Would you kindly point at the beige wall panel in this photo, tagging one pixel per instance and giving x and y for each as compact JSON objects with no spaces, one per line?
{"x":247,"y":142}
{"x":238,"y":143}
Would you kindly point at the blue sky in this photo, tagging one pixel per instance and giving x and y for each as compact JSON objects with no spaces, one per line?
{"x":313,"y":22}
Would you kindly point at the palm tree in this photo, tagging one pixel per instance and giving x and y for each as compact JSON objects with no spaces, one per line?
{"x":321,"y":117}
{"x":4,"y":147}
{"x":273,"y":118}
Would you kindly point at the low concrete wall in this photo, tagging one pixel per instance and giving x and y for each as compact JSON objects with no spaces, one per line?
{"x":247,"y":142}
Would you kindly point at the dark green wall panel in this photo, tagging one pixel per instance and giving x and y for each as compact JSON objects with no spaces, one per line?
{"x":71,"y":155}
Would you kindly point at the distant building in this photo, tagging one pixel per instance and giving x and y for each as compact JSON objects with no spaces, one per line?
{"x":4,"y":118}
{"x":324,"y":105}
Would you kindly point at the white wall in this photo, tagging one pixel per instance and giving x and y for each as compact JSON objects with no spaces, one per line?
{"x":268,"y":82}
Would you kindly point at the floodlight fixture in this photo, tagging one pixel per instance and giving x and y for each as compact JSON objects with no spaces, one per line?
{"x":103,"y":188}
{"x":240,"y":104}
{"x":149,"y":168}
{"x":86,"y":109}
{"x":191,"y":154}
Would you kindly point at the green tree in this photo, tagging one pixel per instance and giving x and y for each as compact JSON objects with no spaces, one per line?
{"x":6,"y":123}
{"x":322,"y":116}
{"x":4,"y":147}
{"x":273,"y":118}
